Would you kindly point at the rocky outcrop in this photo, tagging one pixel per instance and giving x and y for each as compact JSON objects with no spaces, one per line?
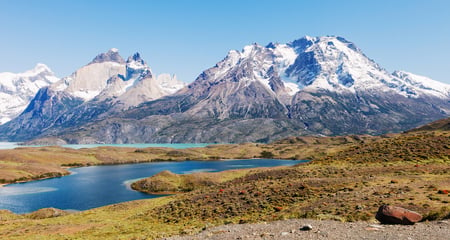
{"x":46,"y":213}
{"x":396,"y":215}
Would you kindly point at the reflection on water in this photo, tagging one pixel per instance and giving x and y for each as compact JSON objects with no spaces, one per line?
{"x":12,"y":191}
{"x":199,"y":170}
{"x":127,"y":183}
{"x":243,"y":166}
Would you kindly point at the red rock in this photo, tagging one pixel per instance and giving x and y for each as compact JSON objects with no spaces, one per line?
{"x":396,"y":215}
{"x":443,"y":191}
{"x":277,"y":209}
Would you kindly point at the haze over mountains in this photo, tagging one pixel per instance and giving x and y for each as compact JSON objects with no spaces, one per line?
{"x":313,"y":85}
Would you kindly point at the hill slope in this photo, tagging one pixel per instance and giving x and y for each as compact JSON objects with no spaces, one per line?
{"x":355,"y":176}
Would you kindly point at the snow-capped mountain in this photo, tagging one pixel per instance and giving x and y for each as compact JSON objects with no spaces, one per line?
{"x":326,"y":63}
{"x":423,"y":85}
{"x":313,"y":85}
{"x":17,"y":89}
{"x":108,"y":84}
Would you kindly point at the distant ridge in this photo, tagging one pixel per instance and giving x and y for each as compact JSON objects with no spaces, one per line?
{"x":441,"y":125}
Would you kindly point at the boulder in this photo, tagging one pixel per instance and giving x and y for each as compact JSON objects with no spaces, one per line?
{"x":397,"y":215}
{"x":306,"y":228}
{"x":46,"y":213}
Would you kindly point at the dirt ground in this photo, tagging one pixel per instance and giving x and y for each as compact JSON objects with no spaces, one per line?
{"x":326,"y":229}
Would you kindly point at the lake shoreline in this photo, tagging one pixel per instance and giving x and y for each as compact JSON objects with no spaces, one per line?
{"x":67,"y":168}
{"x":115,"y":178}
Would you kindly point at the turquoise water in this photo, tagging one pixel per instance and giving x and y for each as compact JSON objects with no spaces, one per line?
{"x":12,"y":145}
{"x":95,"y":186}
{"x":8,"y":145}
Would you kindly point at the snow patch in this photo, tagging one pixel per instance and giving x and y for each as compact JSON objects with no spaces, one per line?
{"x":17,"y":89}
{"x":423,"y":84}
{"x":292,"y":88}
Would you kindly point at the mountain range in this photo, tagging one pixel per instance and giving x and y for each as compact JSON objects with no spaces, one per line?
{"x":310,"y":86}
{"x":17,"y":89}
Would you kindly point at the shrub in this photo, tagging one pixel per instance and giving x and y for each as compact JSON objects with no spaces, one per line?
{"x":266,"y":154}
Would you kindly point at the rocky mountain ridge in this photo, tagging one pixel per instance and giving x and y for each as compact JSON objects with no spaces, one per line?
{"x":17,"y":89}
{"x":107,"y":85}
{"x":310,"y":86}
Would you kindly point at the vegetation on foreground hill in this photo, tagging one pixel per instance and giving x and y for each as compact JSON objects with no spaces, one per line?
{"x":348,"y":179}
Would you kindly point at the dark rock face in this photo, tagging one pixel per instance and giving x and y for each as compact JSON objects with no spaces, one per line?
{"x":330,"y":113}
{"x":396,"y":215}
{"x":110,"y":56}
{"x":43,"y":110}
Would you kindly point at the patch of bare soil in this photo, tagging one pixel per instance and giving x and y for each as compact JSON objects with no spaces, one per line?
{"x":326,"y":229}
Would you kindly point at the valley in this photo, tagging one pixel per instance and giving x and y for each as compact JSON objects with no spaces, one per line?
{"x":347,"y":180}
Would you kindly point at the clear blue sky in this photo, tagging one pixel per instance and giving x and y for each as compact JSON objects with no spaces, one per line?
{"x":186,"y":37}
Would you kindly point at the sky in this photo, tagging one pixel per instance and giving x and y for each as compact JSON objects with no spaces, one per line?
{"x":185,"y":37}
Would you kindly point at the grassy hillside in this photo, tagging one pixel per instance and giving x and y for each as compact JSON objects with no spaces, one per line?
{"x":348,"y":179}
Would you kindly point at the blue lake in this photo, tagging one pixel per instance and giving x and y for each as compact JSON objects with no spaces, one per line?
{"x":95,"y":186}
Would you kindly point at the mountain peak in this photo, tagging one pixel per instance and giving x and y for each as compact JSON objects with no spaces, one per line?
{"x":17,"y":89}
{"x":136,"y":66}
{"x":135,"y":58}
{"x":111,"y":56}
{"x":39,"y":69}
{"x":42,"y":67}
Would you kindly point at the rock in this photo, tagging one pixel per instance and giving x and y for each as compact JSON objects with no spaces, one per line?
{"x":306,"y":228}
{"x":46,"y":213}
{"x":376,"y":226}
{"x":396,"y":215}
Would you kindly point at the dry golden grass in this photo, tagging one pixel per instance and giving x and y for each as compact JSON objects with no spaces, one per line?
{"x":24,"y":164}
{"x":348,"y":179}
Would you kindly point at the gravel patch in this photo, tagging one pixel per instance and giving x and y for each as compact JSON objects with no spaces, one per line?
{"x":326,"y":229}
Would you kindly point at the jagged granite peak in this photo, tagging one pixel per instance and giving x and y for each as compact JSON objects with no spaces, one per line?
{"x":313,"y":85}
{"x":94,"y":91}
{"x":148,"y":88}
{"x":111,"y":56}
{"x":136,"y":66}
{"x":17,"y":89}
{"x":136,"y":58}
{"x":88,"y":81}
